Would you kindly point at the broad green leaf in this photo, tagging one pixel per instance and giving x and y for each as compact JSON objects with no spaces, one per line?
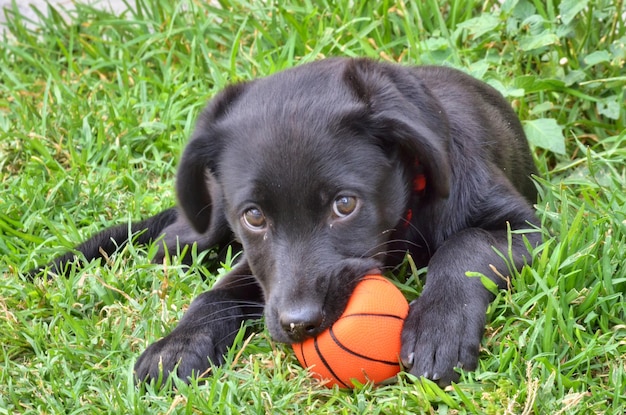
{"x":533,"y":42}
{"x":610,"y":107}
{"x":545,"y":133}
{"x":597,"y":57}
{"x":508,"y":91}
{"x":544,"y":106}
{"x":574,"y":76}
{"x":480,"y":25}
{"x":570,"y":8}
{"x":532,"y":84}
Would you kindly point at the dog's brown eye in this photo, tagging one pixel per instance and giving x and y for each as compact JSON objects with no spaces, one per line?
{"x":344,"y":206}
{"x":254,"y":219}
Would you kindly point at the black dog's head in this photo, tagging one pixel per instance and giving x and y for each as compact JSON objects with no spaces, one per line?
{"x":312,"y":170}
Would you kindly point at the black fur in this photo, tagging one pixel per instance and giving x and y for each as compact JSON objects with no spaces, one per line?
{"x":276,"y":164}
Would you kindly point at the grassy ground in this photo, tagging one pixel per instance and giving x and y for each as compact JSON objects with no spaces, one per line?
{"x":94,"y":113}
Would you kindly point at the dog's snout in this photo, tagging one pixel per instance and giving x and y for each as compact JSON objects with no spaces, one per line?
{"x":302,"y":322}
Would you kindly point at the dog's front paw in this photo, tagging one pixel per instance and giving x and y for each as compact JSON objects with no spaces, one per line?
{"x":187,"y":353}
{"x":440,"y":336}
{"x":200,"y":340}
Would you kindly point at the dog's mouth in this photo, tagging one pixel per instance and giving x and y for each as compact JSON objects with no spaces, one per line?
{"x":299,"y":331}
{"x":296,"y":320}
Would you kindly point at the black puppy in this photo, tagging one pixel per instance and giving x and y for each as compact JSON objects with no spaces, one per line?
{"x":327,"y":171}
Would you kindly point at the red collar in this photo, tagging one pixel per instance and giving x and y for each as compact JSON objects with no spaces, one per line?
{"x":418,"y":187}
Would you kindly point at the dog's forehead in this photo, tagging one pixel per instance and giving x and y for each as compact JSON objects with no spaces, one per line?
{"x":296,"y":94}
{"x":300,"y":161}
{"x":293,"y":125}
{"x":300,"y":164}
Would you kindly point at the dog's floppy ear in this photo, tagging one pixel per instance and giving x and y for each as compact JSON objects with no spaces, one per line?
{"x":402,"y":112}
{"x":197,"y":170}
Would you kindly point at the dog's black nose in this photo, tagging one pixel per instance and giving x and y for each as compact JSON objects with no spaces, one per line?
{"x":302,"y":322}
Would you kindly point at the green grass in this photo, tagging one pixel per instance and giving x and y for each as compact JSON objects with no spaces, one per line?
{"x":94,"y":112}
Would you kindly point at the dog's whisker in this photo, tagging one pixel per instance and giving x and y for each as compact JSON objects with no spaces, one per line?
{"x":382,"y":252}
{"x":215,"y":318}
{"x":226,"y":306}
{"x":235,"y":284}
{"x":228,"y":337}
{"x":419,"y":232}
{"x":231,"y":304}
{"x":202,"y":321}
{"x":240,"y":281}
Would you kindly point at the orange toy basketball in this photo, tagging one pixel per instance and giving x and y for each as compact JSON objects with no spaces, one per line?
{"x":364,"y":344}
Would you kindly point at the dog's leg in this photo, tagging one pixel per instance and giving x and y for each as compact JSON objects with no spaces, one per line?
{"x":206,"y":330}
{"x":109,"y":240}
{"x":446,"y":323}
{"x":170,"y":225}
